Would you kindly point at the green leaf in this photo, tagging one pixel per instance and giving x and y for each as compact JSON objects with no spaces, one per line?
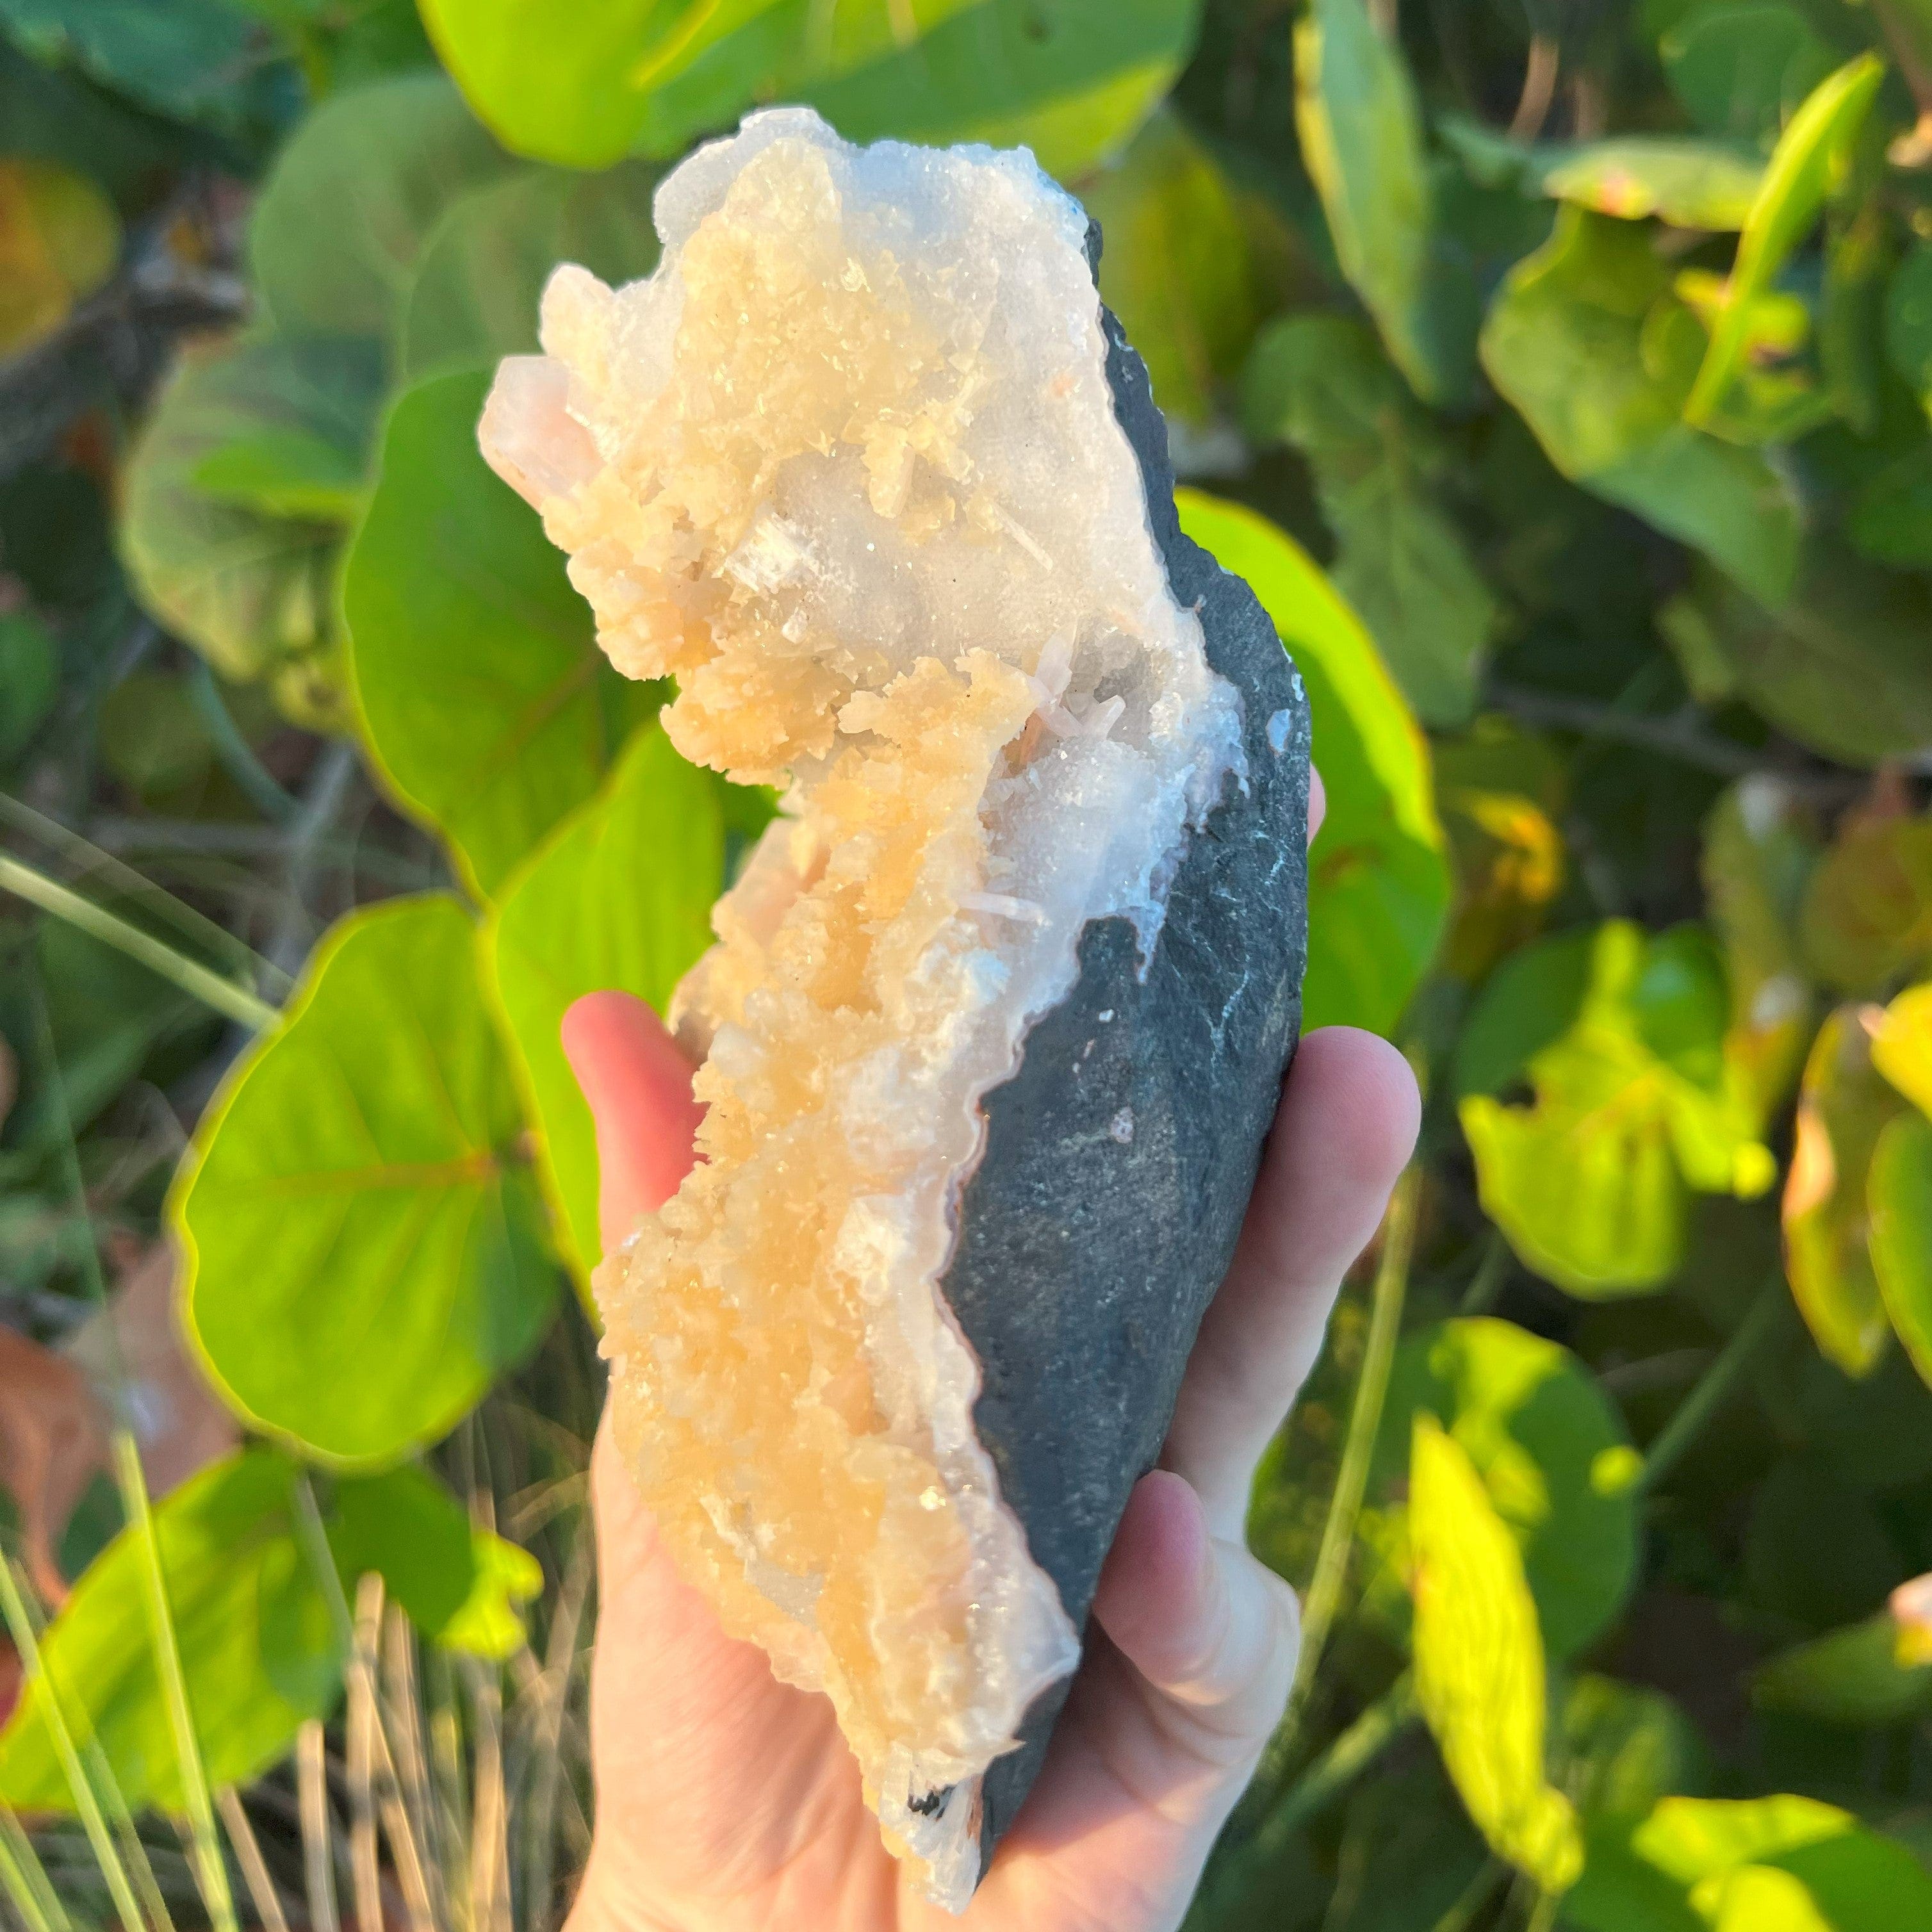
{"x":1360,"y":128}
{"x":1320,"y":382}
{"x":1551,"y":1451}
{"x":1760,"y":849}
{"x":1378,"y":883}
{"x":1900,"y":1195}
{"x":1908,"y":319}
{"x":484,"y":699}
{"x":285,"y":472}
{"x":59,"y":238}
{"x":252,"y":589}
{"x":1856,"y":1675}
{"x":1407,"y":1855}
{"x":1811,"y":158}
{"x":29,"y":680}
{"x":362,"y":1247}
{"x":1890,"y":519}
{"x":344,"y":214}
{"x":257,"y":1642}
{"x":1867,"y":915}
{"x":1565,"y":344}
{"x":482,"y":271}
{"x":1841,"y":664}
{"x":1844,"y":1105}
{"x":619,"y":895}
{"x":189,"y":60}
{"x":1073,"y":78}
{"x":460,"y":1585}
{"x":1175,"y":268}
{"x":1635,"y":1104}
{"x":1741,"y":69}
{"x":1901,"y":1046}
{"x":1622,"y":1747}
{"x":1479,"y":1668}
{"x":1689,"y":183}
{"x":1763,"y":1865}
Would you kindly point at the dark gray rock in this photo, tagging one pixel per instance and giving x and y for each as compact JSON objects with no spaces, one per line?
{"x":1085,"y":1262}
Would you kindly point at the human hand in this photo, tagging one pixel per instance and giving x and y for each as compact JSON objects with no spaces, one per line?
{"x":726,"y":1799}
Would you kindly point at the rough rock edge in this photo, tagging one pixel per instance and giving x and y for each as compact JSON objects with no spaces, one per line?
{"x":1119,"y":1244}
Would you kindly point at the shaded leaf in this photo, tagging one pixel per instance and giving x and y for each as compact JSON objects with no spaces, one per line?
{"x":351,"y":199}
{"x":1551,"y":1453}
{"x":483,"y":697}
{"x":1900,"y":1195}
{"x":1867,"y":916}
{"x":1564,"y":344}
{"x":1622,"y":1747}
{"x":1634,"y":1104}
{"x":253,"y":593}
{"x":1844,"y":1105}
{"x":362,"y":1245}
{"x":29,"y":680}
{"x":1378,"y":883}
{"x":1908,"y":319}
{"x":58,"y":239}
{"x":1174,"y":268}
{"x":1856,"y":1675}
{"x":285,"y":472}
{"x":618,"y":896}
{"x":460,"y":1585}
{"x":1689,"y":183}
{"x":1810,"y":159}
{"x":1408,"y":1854}
{"x":1890,"y":519}
{"x":1740,"y":69}
{"x":1320,"y":382}
{"x":482,"y":269}
{"x":258,"y":1646}
{"x":1760,"y":848}
{"x":1073,"y":78}
{"x":1479,"y":1668}
{"x":1360,"y":128}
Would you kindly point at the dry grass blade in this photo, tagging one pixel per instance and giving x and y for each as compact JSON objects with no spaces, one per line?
{"x":552,"y":1693}
{"x":318,"y":1856}
{"x":416,"y":1822}
{"x":489,"y":1840}
{"x":261,"y":1893}
{"x":365,"y":1727}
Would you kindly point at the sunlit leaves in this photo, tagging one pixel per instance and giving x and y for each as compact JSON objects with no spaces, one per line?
{"x":460,"y":1585}
{"x":1378,"y":883}
{"x":1072,"y":78}
{"x":1900,"y":1199}
{"x":1691,"y":184}
{"x":1320,"y":382}
{"x":352,"y":198}
{"x":1361,"y":135}
{"x":1565,"y":342}
{"x":1175,"y":265}
{"x":1550,"y":1449}
{"x":1844,"y":1105}
{"x":257,"y":1642}
{"x":362,"y":1237}
{"x":483,"y":697}
{"x":1479,"y":1666}
{"x":1810,"y":156}
{"x":1634,"y":1104}
{"x":249,"y":580}
{"x":620,"y":896}
{"x":59,"y":238}
{"x":1782,"y":1863}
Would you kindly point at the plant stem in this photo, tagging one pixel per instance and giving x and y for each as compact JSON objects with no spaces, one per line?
{"x":1352,"y":1479}
{"x":33,"y":1666}
{"x":1487,"y":1282}
{"x":197,"y":980}
{"x":211,"y":1868}
{"x":237,"y":755}
{"x":27,"y":1885}
{"x":1716,"y":1386}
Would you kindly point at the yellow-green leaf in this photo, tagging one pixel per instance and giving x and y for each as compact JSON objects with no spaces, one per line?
{"x":58,"y":239}
{"x":1867,"y":918}
{"x":1899,"y":1194}
{"x":1901,"y":1046}
{"x":1479,"y":1665}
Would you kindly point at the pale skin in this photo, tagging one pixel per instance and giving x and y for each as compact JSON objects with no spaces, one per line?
{"x":728,"y":1800}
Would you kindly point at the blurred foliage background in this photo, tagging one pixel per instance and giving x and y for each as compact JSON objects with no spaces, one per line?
{"x":1558,"y":372}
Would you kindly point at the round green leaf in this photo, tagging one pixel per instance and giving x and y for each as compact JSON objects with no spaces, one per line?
{"x":1900,"y":1199}
{"x":619,"y":895}
{"x":1552,"y":1454}
{"x":362,"y":1245}
{"x":257,"y":1642}
{"x":344,"y":214}
{"x":1379,"y":882}
{"x":483,"y":697}
{"x":251,"y":589}
{"x":482,"y":271}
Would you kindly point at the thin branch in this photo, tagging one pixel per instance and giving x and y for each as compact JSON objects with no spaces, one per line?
{"x":1717,"y":1385}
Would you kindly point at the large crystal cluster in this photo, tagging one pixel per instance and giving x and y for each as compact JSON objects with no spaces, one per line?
{"x":848,"y":467}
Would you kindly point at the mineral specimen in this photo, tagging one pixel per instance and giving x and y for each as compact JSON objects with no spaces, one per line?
{"x":999,"y":1005}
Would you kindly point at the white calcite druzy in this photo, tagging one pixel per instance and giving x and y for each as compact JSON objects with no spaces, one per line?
{"x":848,"y":466}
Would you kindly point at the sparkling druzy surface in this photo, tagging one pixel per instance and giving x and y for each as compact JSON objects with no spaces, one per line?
{"x":992,"y":1029}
